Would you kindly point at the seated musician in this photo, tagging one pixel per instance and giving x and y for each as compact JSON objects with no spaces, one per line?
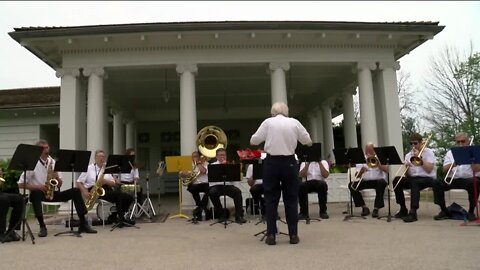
{"x":419,"y":176}
{"x":217,"y":189}
{"x":133,"y":177}
{"x":256,"y":189}
{"x":462,"y":179}
{"x":87,"y":180}
{"x":14,"y":201}
{"x":373,"y":176}
{"x":200,"y":184}
{"x":37,"y":183}
{"x":315,"y":174}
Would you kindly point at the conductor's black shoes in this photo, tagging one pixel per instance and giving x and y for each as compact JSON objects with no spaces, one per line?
{"x":240,"y":220}
{"x":42,"y":232}
{"x":86,"y":229}
{"x":401,"y":214}
{"x":294,"y":239}
{"x":270,"y":240}
{"x":441,"y":216}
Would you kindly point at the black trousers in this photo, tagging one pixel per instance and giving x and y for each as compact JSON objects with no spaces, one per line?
{"x":379,"y":186}
{"x":257,"y":191}
{"x":231,"y":191}
{"x":16,"y":202}
{"x":37,"y":196}
{"x":195,"y":189}
{"x":318,"y":186}
{"x":439,"y":188}
{"x":280,"y":178}
{"x":415,"y":184}
{"x":121,"y":199}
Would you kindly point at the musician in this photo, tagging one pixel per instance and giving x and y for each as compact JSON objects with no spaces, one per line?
{"x":463,"y":179}
{"x":201,"y":183}
{"x":217,"y":189}
{"x":315,"y":174}
{"x":416,"y":178}
{"x":372,"y":178}
{"x":256,"y":189}
{"x":16,"y":202}
{"x":133,"y":177}
{"x":36,"y":184}
{"x":280,"y":170}
{"x":87,"y":180}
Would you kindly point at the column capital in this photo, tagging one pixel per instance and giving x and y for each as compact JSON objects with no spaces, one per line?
{"x":192,"y":68}
{"x":279,"y":65}
{"x":99,"y":71}
{"x":74,"y":72}
{"x":393,"y":64}
{"x":366,"y":65}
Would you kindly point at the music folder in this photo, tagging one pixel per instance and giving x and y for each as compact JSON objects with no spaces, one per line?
{"x":178,"y":163}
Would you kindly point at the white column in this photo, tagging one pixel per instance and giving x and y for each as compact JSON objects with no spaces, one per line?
{"x":312,"y":126}
{"x":368,"y":125}
{"x":188,"y":108}
{"x":327,"y":129}
{"x":378,"y":97}
{"x":278,"y":84}
{"x":106,"y":129}
{"x":349,"y":125}
{"x":118,"y":132}
{"x":320,"y":137}
{"x":95,"y":108}
{"x":70,"y":113}
{"x":392,"y":127}
{"x":130,"y":134}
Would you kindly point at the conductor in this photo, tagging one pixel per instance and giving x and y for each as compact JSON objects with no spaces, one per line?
{"x":280,"y":169}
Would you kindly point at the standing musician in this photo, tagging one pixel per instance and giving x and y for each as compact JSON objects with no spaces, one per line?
{"x":217,"y":189}
{"x":462,"y":179}
{"x":201,"y":183}
{"x":417,"y":177}
{"x":373,"y":176}
{"x":14,"y":201}
{"x":37,"y":183}
{"x":315,"y":174}
{"x":133,"y":177}
{"x":256,"y":189}
{"x":87,"y":180}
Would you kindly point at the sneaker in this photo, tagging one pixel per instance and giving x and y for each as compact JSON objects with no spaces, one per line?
{"x":240,"y":220}
{"x":375,"y":213}
{"x":294,"y":239}
{"x":302,"y":216}
{"x":401,"y":214}
{"x":365,"y":211}
{"x":324,"y":215}
{"x":441,"y":216}
{"x":270,"y":240}
{"x":411,"y":217}
{"x":85,"y":228}
{"x":42,"y":232}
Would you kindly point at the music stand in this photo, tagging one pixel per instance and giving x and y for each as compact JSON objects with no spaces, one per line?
{"x":177,"y":164}
{"x":309,"y":154}
{"x":224,"y":173}
{"x":72,"y":161}
{"x":348,"y":157}
{"x":119,"y":164}
{"x":25,"y":158}
{"x":469,"y":155}
{"x":388,"y":156}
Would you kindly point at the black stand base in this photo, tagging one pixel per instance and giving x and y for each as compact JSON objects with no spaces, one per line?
{"x":225,"y":222}
{"x":307,"y":220}
{"x":122,"y":224}
{"x":264,"y":232}
{"x":29,"y":231}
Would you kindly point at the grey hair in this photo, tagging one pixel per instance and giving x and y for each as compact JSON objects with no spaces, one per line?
{"x":461,"y":134}
{"x":279,"y":108}
{"x":41,"y":142}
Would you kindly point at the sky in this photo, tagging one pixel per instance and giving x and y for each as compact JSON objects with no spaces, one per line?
{"x":21,"y":69}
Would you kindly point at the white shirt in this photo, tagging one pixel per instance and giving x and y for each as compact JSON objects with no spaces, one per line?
{"x":463,"y":171}
{"x":129,"y":177}
{"x":428,"y":156}
{"x":202,"y":178}
{"x":371,"y":173}
{"x":39,"y":175}
{"x":218,"y":183}
{"x":280,"y":135}
{"x":89,"y":177}
{"x":314,"y":172}
{"x":249,"y":175}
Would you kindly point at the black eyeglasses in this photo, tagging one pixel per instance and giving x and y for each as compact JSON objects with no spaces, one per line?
{"x":413,"y":143}
{"x":461,"y":141}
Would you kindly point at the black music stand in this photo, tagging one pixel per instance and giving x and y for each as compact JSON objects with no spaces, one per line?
{"x":388,"y":156}
{"x":309,"y":154}
{"x":349,"y":157}
{"x":25,"y":158}
{"x":469,"y":155}
{"x":72,"y":161}
{"x":119,"y":164}
{"x":224,"y":173}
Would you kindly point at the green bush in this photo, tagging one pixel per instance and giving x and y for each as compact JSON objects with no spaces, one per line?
{"x":10,"y":176}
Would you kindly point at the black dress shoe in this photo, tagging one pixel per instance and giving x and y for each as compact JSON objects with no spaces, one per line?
{"x":85,"y":228}
{"x":411,"y":217}
{"x":240,"y":220}
{"x":294,"y":239}
{"x":4,"y":238}
{"x":302,"y":216}
{"x":13,"y":236}
{"x":270,"y":240}
{"x":365,"y":211}
{"x":375,"y":213}
{"x":42,"y":232}
{"x":324,"y":215}
{"x":401,"y":214}
{"x":441,"y":216}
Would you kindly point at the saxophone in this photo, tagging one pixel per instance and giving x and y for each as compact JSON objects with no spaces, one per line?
{"x":97,"y":190}
{"x":51,"y":182}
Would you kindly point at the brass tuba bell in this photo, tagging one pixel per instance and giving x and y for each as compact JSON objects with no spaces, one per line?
{"x":209,"y":139}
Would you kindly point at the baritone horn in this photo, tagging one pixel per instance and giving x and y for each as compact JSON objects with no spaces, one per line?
{"x":456,"y":168}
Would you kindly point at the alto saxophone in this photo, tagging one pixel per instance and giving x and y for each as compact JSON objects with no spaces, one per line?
{"x":97,"y":190}
{"x":51,"y":182}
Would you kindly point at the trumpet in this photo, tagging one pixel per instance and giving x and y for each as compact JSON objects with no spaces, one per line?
{"x":456,"y":168}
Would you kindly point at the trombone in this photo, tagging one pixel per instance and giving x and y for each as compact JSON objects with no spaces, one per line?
{"x":456,"y":168}
{"x":372,"y":162}
{"x":414,"y":160}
